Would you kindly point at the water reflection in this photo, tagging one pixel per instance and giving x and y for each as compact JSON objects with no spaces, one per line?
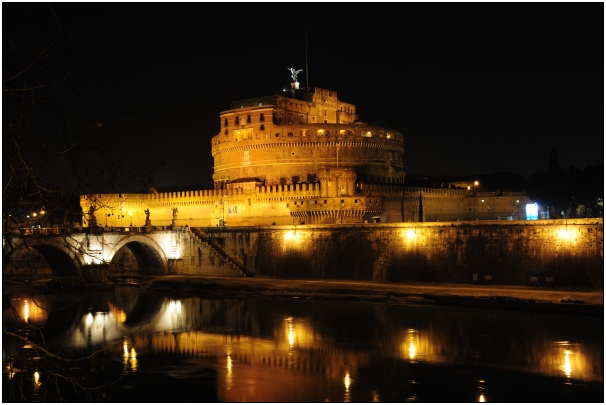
{"x":270,"y":350}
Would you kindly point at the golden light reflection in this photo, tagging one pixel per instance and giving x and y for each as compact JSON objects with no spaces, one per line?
{"x":26,"y":311}
{"x":570,"y":360}
{"x":125,"y":347}
{"x":129,"y":356}
{"x":482,"y":398}
{"x":118,"y":313}
{"x":37,"y":382}
{"x":347,"y":382}
{"x":133,"y":359}
{"x":375,"y":396}
{"x":89,"y":319}
{"x":229,"y":377}
{"x":567,"y":365}
{"x":414,"y":344}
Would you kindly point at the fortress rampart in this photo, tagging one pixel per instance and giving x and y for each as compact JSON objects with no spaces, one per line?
{"x":299,"y":203}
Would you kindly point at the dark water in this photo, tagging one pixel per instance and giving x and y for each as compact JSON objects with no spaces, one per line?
{"x":128,"y":346}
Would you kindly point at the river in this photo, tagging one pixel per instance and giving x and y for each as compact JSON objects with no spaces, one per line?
{"x":127,"y":345}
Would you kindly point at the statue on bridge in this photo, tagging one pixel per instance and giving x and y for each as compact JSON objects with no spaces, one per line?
{"x":175,"y":211}
{"x":92,"y":219}
{"x":147,"y":220}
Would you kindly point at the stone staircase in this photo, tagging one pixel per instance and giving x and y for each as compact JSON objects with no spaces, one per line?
{"x":217,"y":251}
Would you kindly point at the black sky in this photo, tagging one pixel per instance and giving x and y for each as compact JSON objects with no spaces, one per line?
{"x":476,"y":88}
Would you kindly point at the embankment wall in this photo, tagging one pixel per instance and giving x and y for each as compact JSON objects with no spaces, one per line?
{"x":545,"y":252}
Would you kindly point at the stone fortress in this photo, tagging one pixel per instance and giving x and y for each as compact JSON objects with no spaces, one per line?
{"x":301,"y":157}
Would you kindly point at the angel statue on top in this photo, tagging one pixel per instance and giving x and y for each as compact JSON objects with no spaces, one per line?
{"x":294,"y":73}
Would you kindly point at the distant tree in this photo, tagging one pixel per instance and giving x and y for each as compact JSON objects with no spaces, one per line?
{"x":574,"y":192}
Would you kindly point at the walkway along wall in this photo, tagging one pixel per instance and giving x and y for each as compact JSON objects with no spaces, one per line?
{"x":542,"y":253}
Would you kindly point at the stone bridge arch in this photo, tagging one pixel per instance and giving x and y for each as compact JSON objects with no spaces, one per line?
{"x":65,"y":261}
{"x":149,"y":255}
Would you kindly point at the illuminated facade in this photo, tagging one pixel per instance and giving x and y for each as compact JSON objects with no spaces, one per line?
{"x":301,"y":157}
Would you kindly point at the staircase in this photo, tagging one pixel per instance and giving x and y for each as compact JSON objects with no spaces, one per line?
{"x":217,"y":251}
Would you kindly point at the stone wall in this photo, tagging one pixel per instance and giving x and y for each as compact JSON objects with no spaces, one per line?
{"x":545,"y":253}
{"x":292,"y":204}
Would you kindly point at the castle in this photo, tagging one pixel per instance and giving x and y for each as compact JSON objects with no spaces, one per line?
{"x":300,"y":157}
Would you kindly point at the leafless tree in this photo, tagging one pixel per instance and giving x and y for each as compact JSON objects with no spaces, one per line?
{"x":59,"y":113}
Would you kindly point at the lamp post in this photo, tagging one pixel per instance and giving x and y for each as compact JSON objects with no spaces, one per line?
{"x":130,"y":214}
{"x":475,"y":184}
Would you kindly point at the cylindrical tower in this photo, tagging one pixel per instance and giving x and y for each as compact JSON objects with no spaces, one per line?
{"x":284,"y":140}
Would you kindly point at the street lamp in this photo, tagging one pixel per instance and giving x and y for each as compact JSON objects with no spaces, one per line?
{"x":475,"y":184}
{"x":130,"y":214}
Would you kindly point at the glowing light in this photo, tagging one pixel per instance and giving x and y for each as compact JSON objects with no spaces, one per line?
{"x":375,"y":396}
{"x":412,"y":350}
{"x":482,"y":398}
{"x":26,"y":311}
{"x":229,"y":376}
{"x":347,"y":380}
{"x":133,"y":359}
{"x":89,"y":319}
{"x":290,"y":236}
{"x":532,"y":211}
{"x":567,"y":363}
{"x":174,"y":306}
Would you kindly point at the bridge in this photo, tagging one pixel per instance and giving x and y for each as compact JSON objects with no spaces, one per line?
{"x":88,"y":256}
{"x":563,"y":253}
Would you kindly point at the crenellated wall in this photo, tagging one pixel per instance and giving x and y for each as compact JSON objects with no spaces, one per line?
{"x":337,"y":199}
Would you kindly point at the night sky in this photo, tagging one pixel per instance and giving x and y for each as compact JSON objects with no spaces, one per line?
{"x":476,"y":88}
